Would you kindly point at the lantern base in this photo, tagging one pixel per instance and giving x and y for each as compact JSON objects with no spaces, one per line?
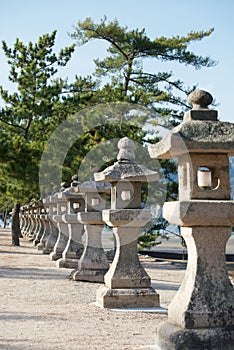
{"x":55,"y":256}
{"x":172,"y":337}
{"x":127,"y":298}
{"x":89,"y":275}
{"x":40,"y":246}
{"x":67,"y":263}
{"x":47,"y":250}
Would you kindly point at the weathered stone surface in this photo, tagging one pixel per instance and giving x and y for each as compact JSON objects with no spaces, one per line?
{"x":62,"y":239}
{"x":93,"y":263}
{"x":200,"y":100}
{"x":67,"y":263}
{"x":74,"y":247}
{"x":126,"y":270}
{"x":74,"y":202}
{"x":172,"y":337}
{"x":46,"y":233}
{"x":196,"y":136}
{"x":126,"y":171}
{"x":91,"y":218}
{"x":49,"y":245}
{"x":201,"y":315}
{"x":127,"y":298}
{"x":126,"y":282}
{"x":199,"y":213}
{"x":126,"y":217}
{"x":188,"y":166}
{"x":126,"y":168}
{"x":206,"y":296}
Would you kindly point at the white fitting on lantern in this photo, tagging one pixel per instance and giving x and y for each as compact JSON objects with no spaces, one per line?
{"x":95,"y":202}
{"x":204,"y":178}
{"x":76,"y":205}
{"x":63,"y":208}
{"x":126,"y":195}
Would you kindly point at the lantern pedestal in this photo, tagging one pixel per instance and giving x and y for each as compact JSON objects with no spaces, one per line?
{"x":200,"y":213}
{"x":53,"y":228}
{"x":61,"y":243}
{"x":53,"y":236}
{"x":93,"y":263}
{"x":206,"y":296}
{"x":127,"y":298}
{"x":172,"y":337}
{"x":46,"y":233}
{"x":74,"y":247}
{"x":127,"y":285}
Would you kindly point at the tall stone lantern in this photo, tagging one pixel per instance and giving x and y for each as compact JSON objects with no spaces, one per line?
{"x":93,"y":263}
{"x":127,"y":285}
{"x":201,"y":315}
{"x":75,"y":203}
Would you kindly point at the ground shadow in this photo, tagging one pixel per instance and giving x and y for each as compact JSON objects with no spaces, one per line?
{"x":32,"y":273}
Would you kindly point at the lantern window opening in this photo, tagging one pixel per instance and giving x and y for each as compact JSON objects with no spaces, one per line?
{"x":63,"y":209}
{"x":126,"y":195}
{"x":207,"y":179}
{"x":95,"y":202}
{"x":76,"y":205}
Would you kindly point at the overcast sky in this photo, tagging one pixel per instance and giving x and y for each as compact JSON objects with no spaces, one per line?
{"x":28,"y":19}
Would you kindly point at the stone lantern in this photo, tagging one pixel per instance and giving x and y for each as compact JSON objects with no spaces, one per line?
{"x":26,"y":219}
{"x":46,"y":223}
{"x":93,"y":263}
{"x":201,"y":315}
{"x":127,"y":285}
{"x":40,"y":224}
{"x":74,"y":204}
{"x":51,"y":204}
{"x":32,"y":223}
{"x":62,"y":239}
{"x":23,"y":218}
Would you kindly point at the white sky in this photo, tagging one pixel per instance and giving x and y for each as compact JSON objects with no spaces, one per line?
{"x":28,"y":19}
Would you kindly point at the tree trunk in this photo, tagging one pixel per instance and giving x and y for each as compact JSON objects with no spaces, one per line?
{"x":15,"y":225}
{"x":5,"y":219}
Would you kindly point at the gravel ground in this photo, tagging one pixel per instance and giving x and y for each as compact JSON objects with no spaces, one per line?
{"x":41,"y":309}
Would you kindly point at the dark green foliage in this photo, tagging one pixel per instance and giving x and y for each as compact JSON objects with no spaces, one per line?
{"x":41,"y":102}
{"x":124,"y":64}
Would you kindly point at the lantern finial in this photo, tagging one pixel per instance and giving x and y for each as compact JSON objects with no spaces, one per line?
{"x":200,"y":99}
{"x":126,"y":153}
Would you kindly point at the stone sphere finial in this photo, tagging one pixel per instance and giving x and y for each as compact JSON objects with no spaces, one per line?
{"x":126,"y":153}
{"x":63,"y":186}
{"x":75,"y":178}
{"x":200,"y":99}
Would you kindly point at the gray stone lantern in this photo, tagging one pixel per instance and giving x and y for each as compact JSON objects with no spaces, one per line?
{"x":33,"y":222}
{"x":127,"y":285}
{"x":201,"y":315}
{"x":46,"y":231}
{"x":74,"y":204}
{"x":39,"y":222}
{"x":51,"y":204}
{"x":27,"y":219}
{"x":62,"y":239}
{"x":93,"y":263}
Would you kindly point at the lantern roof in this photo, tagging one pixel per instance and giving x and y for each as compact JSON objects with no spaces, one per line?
{"x":126,"y":168}
{"x":200,"y":132}
{"x":93,"y":186}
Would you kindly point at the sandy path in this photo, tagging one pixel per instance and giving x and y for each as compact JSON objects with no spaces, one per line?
{"x":41,"y":309}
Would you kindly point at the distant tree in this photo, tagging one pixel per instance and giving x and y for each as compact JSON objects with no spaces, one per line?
{"x":124,"y":65}
{"x":31,"y":113}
